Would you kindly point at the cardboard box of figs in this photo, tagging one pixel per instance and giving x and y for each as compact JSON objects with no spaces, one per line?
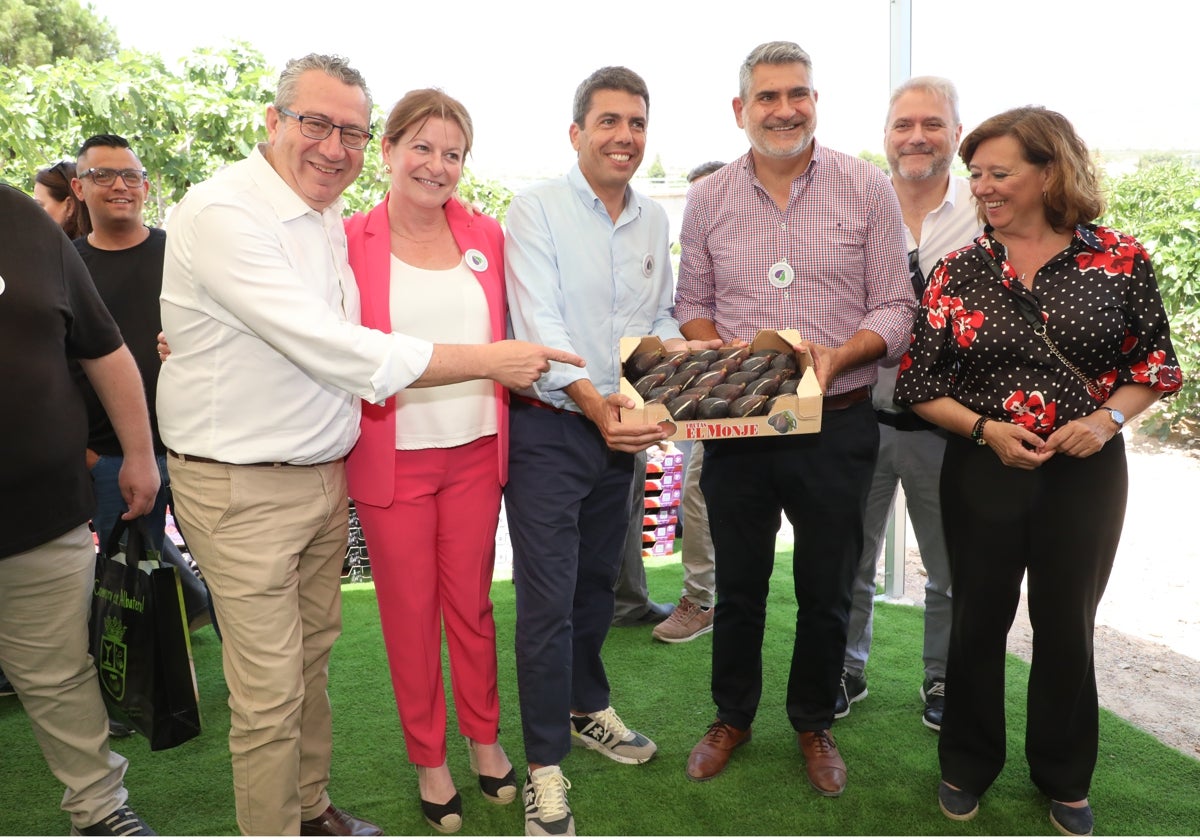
{"x":780,"y":395}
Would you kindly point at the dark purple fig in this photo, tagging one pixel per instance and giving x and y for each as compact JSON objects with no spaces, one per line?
{"x":784,"y":361}
{"x":682,"y":379}
{"x":665,"y":368}
{"x":740,"y":353}
{"x":712,"y":408}
{"x":767,"y":386}
{"x":650,"y":380}
{"x":676,"y":357}
{"x":742,"y":376}
{"x":695,"y":366}
{"x":756,"y":364}
{"x":709,"y":379}
{"x":683,"y":407}
{"x":697,"y":392}
{"x":639,"y":364}
{"x":767,"y":354}
{"x":727,"y":365}
{"x":663,"y":393}
{"x":788,"y":386}
{"x":728,"y":390}
{"x":706,"y":356}
{"x":747,"y":406}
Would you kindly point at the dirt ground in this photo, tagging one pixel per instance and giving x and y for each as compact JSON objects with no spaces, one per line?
{"x":1148,"y":626}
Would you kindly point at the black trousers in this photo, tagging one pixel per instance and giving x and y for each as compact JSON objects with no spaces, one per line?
{"x":820,"y":482}
{"x":1059,"y":526}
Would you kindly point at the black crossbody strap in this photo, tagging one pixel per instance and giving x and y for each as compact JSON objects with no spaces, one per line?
{"x":1034,"y":317}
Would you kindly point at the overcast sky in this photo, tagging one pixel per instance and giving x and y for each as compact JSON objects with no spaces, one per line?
{"x":1122,"y":72}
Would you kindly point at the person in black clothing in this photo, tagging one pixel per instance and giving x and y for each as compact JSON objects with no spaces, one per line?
{"x":1032,"y":347}
{"x":125,"y":259}
{"x":50,"y":313}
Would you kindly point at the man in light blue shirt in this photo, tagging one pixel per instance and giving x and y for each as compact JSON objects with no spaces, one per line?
{"x":587,"y":263}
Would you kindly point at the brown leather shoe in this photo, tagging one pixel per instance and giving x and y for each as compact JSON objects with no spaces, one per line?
{"x":709,"y":757}
{"x":336,"y":822}
{"x":826,"y":770}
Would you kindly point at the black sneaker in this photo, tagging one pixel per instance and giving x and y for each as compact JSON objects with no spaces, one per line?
{"x":116,"y":729}
{"x":933,"y":692}
{"x":122,"y":822}
{"x":958,"y":805}
{"x":6,"y":689}
{"x":851,"y":690}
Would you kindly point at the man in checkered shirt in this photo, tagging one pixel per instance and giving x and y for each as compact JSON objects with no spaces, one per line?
{"x":793,"y":235}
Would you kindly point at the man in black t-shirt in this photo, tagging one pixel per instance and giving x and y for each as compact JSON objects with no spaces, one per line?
{"x":125,"y":259}
{"x":50,"y":313}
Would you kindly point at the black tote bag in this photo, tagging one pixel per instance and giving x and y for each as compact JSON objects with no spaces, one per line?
{"x":140,"y":643}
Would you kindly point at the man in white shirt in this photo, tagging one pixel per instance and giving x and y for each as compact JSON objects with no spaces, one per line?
{"x":259,"y":404}
{"x":920,"y":138}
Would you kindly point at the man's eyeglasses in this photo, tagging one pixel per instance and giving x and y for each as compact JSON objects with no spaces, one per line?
{"x":318,"y":128}
{"x":104,"y":177}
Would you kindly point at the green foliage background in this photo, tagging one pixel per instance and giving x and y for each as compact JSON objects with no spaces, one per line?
{"x":187,"y":120}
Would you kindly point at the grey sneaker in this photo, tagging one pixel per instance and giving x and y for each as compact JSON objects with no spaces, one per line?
{"x":607,"y":733}
{"x":933,"y":692}
{"x":122,"y":822}
{"x":686,"y":622}
{"x":547,"y":812}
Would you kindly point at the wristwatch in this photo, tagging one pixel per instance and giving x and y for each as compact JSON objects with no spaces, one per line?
{"x":1116,"y":415}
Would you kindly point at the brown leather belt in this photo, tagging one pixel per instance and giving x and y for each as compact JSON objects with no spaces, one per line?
{"x":839,"y":401}
{"x":197,"y":459}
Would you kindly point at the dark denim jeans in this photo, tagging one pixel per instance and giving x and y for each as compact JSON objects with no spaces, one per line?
{"x":110,"y":505}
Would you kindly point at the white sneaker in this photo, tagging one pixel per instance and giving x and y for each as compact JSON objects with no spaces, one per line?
{"x":547,"y":812}
{"x":605,"y":732}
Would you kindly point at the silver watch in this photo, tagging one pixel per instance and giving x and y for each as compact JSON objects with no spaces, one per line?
{"x":1116,"y":415}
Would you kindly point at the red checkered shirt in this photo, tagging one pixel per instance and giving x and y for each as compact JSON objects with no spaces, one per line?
{"x":842,"y":234}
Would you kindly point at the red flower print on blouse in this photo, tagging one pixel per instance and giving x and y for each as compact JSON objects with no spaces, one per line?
{"x":905,"y":363}
{"x":933,"y":291}
{"x":1033,"y":412}
{"x":1118,"y":260}
{"x":1130,"y":341}
{"x":940,"y":312}
{"x":1153,"y":372}
{"x":1105,"y":383}
{"x":965,"y":325}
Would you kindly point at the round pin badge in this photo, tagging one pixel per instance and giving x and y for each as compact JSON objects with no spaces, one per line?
{"x":476,"y":260}
{"x":648,"y":265}
{"x":781,"y":275}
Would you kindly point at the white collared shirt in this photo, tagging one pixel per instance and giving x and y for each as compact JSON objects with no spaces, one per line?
{"x":260,"y":307}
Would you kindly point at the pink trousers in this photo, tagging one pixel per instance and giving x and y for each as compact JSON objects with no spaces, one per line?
{"x":432,"y":552}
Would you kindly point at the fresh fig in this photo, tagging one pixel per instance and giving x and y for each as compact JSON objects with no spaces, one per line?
{"x":784,"y":361}
{"x":683,"y":407}
{"x":712,"y":408}
{"x":682,"y":379}
{"x":697,"y":392}
{"x":788,"y":386}
{"x":740,"y":353}
{"x":728,"y":390}
{"x":706,"y":356}
{"x":756,"y":364}
{"x":727,"y":365}
{"x":665,"y":368}
{"x":766,"y":385}
{"x":650,"y":380}
{"x":639,"y":364}
{"x":742,"y":376}
{"x":747,"y":406}
{"x":663,"y":393}
{"x":695,"y":366}
{"x":709,"y":378}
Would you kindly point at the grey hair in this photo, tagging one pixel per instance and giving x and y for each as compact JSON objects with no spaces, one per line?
{"x":333,"y":66}
{"x":772,"y":52}
{"x":937,"y":85}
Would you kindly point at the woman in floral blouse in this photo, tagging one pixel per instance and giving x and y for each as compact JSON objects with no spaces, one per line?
{"x":1033,"y":346}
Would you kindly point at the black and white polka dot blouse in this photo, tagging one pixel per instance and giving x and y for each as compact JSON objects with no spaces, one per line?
{"x":1101,"y":306}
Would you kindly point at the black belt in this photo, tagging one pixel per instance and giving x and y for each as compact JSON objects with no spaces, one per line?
{"x":539,"y":404}
{"x":905,"y":421}
{"x":197,"y":459}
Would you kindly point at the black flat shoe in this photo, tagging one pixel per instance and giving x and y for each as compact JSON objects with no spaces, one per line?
{"x":957,"y":804}
{"x":499,"y":790}
{"x":444,"y":818}
{"x":1073,"y":821}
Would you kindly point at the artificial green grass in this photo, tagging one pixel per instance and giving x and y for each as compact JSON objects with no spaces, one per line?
{"x":1141,"y":787}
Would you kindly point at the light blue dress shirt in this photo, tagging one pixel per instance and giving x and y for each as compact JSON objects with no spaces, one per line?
{"x":580,"y":282}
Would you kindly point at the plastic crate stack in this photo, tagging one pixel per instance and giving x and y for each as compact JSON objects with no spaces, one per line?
{"x":664,"y":488}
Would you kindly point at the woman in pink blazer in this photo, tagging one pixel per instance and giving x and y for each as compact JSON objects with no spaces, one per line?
{"x":427,"y":471}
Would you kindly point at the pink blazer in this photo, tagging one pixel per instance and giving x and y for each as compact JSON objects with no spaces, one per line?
{"x":370,"y":467}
